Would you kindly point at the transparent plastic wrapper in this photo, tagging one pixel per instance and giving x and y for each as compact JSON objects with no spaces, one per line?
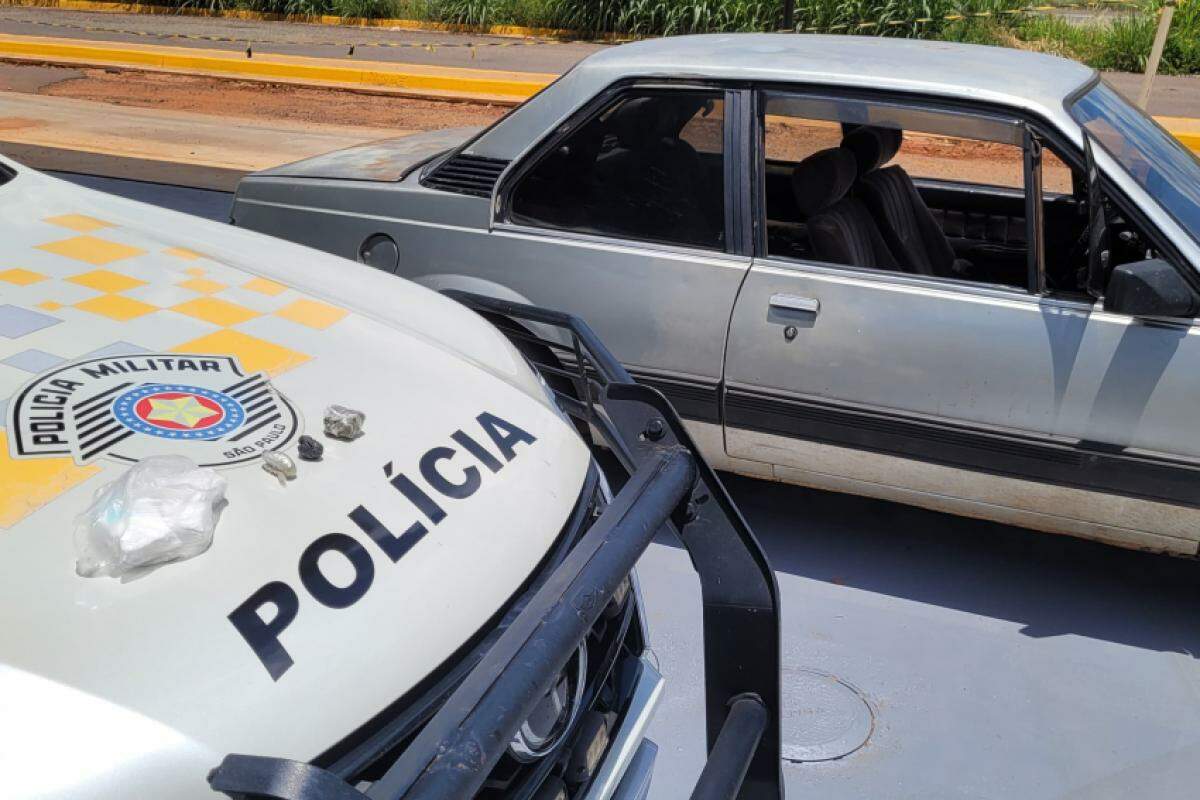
{"x":280,"y":465}
{"x":165,"y":508}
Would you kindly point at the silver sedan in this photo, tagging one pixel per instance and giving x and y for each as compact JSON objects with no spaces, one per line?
{"x":954,"y":276}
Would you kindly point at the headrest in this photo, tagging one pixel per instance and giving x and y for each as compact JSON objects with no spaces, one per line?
{"x":872,"y":147}
{"x":822,"y":179}
{"x":642,"y":122}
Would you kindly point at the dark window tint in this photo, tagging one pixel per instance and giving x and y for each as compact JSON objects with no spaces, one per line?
{"x":649,"y":167}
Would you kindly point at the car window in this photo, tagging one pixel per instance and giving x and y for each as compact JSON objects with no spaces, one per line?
{"x":1057,"y":175}
{"x":890,"y":187}
{"x":962,"y":160}
{"x":705,"y":132}
{"x":1161,"y":165}
{"x":793,"y":138}
{"x":650,"y":166}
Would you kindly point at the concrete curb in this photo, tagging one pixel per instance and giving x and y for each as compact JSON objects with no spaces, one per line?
{"x":1185,"y":129}
{"x":308,"y":19}
{"x":487,"y":86}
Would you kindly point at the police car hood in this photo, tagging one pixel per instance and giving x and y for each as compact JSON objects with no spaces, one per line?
{"x":137,"y":686}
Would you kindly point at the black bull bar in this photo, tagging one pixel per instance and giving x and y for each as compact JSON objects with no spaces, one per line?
{"x":667,"y":483}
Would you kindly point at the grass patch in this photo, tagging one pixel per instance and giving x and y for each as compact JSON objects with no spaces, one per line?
{"x":1122,"y":43}
{"x":1119,"y":42}
{"x":373,"y":9}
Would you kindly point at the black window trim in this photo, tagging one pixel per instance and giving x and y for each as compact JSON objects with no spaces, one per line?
{"x":732,"y":138}
{"x":740,"y":108}
{"x":1035,"y":211}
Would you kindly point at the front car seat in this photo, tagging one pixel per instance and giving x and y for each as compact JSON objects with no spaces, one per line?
{"x":840,"y":228}
{"x":912,"y":233}
{"x":651,"y":182}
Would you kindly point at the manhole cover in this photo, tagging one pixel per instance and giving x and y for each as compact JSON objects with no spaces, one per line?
{"x":823,"y":717}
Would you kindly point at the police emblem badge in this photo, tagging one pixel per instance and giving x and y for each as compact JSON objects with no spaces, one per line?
{"x":129,"y":407}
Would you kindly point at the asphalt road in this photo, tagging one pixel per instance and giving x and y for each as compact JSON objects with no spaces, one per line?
{"x":977,"y":660}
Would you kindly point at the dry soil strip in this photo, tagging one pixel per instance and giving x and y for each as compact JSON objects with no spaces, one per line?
{"x":42,"y":131}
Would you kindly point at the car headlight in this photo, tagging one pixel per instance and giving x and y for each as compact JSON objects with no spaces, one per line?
{"x":551,"y":395}
{"x":555,"y":713}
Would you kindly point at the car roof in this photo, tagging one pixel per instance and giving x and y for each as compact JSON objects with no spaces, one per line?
{"x":946,"y":68}
{"x":1033,"y":82}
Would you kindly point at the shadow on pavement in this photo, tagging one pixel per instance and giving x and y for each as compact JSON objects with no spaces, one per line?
{"x":207,"y":203}
{"x":1052,"y":585}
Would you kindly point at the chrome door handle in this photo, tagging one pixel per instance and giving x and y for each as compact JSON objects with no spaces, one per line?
{"x":795,"y":303}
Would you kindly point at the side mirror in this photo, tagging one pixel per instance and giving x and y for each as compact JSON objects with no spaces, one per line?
{"x":1151,"y":288}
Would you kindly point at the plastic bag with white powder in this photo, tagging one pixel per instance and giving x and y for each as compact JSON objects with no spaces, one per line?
{"x":165,"y":508}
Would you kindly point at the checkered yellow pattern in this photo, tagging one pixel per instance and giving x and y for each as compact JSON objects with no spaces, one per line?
{"x":80,"y":223}
{"x":264,"y":286}
{"x":253,"y":353}
{"x":29,"y":484}
{"x":91,"y":249}
{"x":215,"y":310}
{"x":183,"y":252}
{"x":103,"y":280}
{"x":116,"y":307}
{"x":21,"y":277}
{"x":131,"y":287}
{"x":202,"y":285}
{"x":312,"y":313}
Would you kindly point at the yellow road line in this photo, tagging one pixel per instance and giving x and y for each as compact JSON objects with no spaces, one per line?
{"x":484,"y":85}
{"x":1190,"y":140}
{"x":1185,"y":129}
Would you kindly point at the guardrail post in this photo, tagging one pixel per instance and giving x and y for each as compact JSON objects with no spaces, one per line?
{"x":1160,"y":41}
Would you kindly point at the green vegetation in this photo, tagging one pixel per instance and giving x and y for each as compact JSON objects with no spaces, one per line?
{"x":1120,"y":43}
{"x":1117,"y":37}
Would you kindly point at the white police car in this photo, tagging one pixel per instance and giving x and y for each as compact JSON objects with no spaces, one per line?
{"x":438,"y":607}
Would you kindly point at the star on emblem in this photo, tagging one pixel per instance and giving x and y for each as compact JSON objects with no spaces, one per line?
{"x":185,"y":411}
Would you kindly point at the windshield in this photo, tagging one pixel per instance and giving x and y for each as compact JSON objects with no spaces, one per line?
{"x":1160,"y":164}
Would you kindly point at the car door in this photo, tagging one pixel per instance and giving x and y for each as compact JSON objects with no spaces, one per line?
{"x":621,"y":218}
{"x":962,"y":395}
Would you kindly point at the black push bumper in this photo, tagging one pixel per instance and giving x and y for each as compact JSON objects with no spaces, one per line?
{"x":666,"y":483}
